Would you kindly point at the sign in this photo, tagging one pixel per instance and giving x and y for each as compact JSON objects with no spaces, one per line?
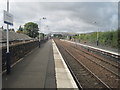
{"x":8,"y":18}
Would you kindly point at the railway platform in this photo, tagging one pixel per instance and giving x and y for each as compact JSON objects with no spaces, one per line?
{"x":42,"y":68}
{"x":113,"y":53}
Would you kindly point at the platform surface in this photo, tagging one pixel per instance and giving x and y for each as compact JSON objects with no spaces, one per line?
{"x":36,"y":70}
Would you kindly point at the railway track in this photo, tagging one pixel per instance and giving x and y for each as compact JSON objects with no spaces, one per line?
{"x":113,"y":63}
{"x":91,"y":78}
{"x":102,"y":51}
{"x":111,"y":66}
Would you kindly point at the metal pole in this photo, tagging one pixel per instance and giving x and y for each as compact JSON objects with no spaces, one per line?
{"x":43,"y":28}
{"x":39,"y":30}
{"x":97,"y":42}
{"x":7,"y":28}
{"x":97,"y":37}
{"x":39,"y":33}
{"x":79,"y":38}
{"x":8,"y":53}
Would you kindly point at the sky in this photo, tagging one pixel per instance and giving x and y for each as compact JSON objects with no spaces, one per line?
{"x":64,"y":16}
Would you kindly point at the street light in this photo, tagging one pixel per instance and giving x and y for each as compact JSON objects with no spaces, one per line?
{"x":47,"y":27}
{"x":40,"y":29}
{"x":97,"y":42}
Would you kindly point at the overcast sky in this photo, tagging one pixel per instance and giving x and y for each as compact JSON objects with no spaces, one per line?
{"x":77,"y":17}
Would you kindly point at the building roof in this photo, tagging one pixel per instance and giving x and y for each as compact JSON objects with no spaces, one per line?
{"x":13,"y":36}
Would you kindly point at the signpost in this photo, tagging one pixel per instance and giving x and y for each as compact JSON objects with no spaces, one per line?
{"x":8,"y":19}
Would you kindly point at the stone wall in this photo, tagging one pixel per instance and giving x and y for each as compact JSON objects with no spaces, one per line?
{"x":18,"y":51}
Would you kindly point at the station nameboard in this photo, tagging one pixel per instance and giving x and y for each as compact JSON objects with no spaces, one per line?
{"x":8,"y":18}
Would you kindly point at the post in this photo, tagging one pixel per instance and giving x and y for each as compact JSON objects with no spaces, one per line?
{"x":39,"y":39}
{"x":97,"y":41}
{"x":8,"y":53}
{"x":97,"y":37}
{"x":41,"y":30}
{"x":39,"y":33}
{"x":79,"y":38}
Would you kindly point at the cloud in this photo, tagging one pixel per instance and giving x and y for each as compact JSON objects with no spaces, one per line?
{"x":64,"y":0}
{"x":66,"y":16}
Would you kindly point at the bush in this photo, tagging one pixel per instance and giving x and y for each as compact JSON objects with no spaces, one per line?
{"x":109,"y":38}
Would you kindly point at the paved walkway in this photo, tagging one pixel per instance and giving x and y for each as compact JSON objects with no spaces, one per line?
{"x":36,"y":70}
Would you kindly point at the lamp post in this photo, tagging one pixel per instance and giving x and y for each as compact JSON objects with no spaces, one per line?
{"x":97,"y":37}
{"x":8,"y":52}
{"x":79,"y":38}
{"x":97,"y":42}
{"x":40,"y":29}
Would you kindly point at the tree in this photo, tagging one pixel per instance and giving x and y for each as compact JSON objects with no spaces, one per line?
{"x":20,"y":30}
{"x":12,"y":30}
{"x":31,"y":29}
